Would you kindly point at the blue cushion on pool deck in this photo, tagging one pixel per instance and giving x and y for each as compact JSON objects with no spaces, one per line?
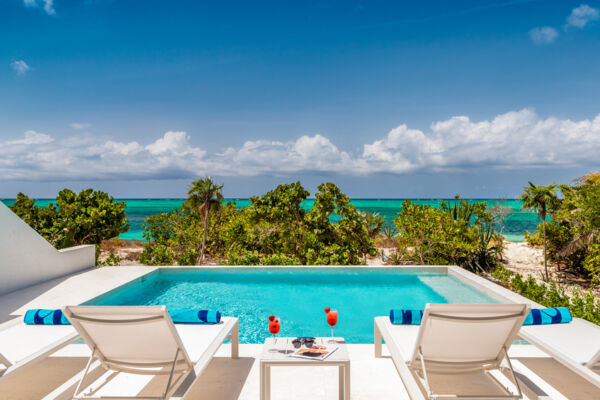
{"x":195,"y":316}
{"x":406,"y":317}
{"x":45,"y":317}
{"x":546,"y":316}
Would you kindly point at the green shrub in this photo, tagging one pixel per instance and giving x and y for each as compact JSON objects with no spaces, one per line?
{"x":274,"y":229}
{"x":503,"y":275}
{"x":389,"y":231}
{"x":534,"y":239}
{"x":582,"y":304}
{"x":187,"y":257}
{"x":591,"y":262}
{"x":157,"y":254}
{"x":111,"y":261}
{"x":462,"y":235}
{"x":75,"y":219}
{"x":278,"y":259}
{"x":397,"y":258}
{"x":573,"y":235}
{"x":253,"y":258}
{"x":374,"y":222}
{"x":250,"y":258}
{"x":181,"y":232}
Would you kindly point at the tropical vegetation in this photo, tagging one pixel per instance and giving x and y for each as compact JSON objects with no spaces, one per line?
{"x":543,"y":199}
{"x":276,"y":229}
{"x":273,"y":229}
{"x":460,"y":234}
{"x":572,"y":235}
{"x":203,"y":195}
{"x":582,"y":304}
{"x":88,"y":217}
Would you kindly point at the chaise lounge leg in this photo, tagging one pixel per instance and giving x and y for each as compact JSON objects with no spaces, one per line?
{"x":85,"y":372}
{"x":378,"y":341}
{"x":4,"y":360}
{"x":235,"y":341}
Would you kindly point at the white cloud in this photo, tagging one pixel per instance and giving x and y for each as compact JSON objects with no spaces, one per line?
{"x":32,"y":137}
{"x":171,"y":143}
{"x":582,"y":15}
{"x":514,"y":140}
{"x":403,"y":150}
{"x":80,"y":125}
{"x":517,"y":139}
{"x":87,"y":158}
{"x":307,"y":153}
{"x":47,"y":5}
{"x":543,"y":35}
{"x":20,"y":67}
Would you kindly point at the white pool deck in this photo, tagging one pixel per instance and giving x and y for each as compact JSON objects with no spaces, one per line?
{"x":226,"y":378}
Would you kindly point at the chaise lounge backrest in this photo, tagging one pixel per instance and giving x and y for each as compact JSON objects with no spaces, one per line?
{"x":468,"y":333}
{"x":130,"y":339}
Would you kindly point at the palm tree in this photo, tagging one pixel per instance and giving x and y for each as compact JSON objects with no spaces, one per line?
{"x":204,"y":194}
{"x":543,"y":199}
{"x":374,"y":222}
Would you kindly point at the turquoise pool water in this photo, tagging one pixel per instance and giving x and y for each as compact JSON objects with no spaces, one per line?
{"x":299,"y":297}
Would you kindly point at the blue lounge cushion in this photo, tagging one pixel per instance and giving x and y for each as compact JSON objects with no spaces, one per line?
{"x":187,"y":316}
{"x":546,"y":316}
{"x":56,"y":317}
{"x":39,"y":316}
{"x":406,"y":317}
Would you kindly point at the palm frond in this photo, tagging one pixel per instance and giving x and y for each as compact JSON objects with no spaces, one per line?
{"x":578,"y":242}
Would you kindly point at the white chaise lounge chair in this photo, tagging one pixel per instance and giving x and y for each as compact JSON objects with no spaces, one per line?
{"x":575,"y":344}
{"x":22,"y":344}
{"x":454,"y":339}
{"x":143,"y":340}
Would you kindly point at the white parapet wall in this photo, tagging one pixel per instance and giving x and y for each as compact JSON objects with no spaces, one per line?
{"x":26,"y":258}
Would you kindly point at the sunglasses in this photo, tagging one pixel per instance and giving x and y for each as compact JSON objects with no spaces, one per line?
{"x":307,"y":341}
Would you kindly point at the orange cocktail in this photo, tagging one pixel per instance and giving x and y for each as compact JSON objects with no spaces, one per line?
{"x":332,"y":319}
{"x":274,"y":327}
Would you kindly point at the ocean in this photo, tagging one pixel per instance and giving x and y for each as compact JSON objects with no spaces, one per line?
{"x":517,"y":220}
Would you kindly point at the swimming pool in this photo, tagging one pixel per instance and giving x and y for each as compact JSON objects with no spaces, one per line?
{"x":298,"y":296}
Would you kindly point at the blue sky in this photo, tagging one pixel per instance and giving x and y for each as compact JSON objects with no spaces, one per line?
{"x":387,"y":99}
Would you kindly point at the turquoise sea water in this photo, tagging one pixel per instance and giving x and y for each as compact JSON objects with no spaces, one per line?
{"x":517,"y":222}
{"x":299,"y":297}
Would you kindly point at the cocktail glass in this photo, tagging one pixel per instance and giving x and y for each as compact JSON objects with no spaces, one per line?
{"x":274,"y":327}
{"x":332,"y":319}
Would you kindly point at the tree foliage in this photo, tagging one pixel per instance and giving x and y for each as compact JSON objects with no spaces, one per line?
{"x":274,"y":229}
{"x":460,"y":234}
{"x":544,"y":200}
{"x":204,"y":195}
{"x":276,"y":224}
{"x":375,"y":223}
{"x":573,"y":234}
{"x":177,"y":236}
{"x":74,"y":219}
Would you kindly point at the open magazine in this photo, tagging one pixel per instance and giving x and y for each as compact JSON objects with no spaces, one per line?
{"x":316,"y":352}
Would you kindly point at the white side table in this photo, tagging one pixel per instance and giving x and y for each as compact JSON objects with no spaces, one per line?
{"x":281,"y":358}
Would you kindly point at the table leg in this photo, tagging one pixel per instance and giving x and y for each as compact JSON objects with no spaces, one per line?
{"x":261,"y":373}
{"x":347,"y":381}
{"x":267,"y":382}
{"x":341,"y":378}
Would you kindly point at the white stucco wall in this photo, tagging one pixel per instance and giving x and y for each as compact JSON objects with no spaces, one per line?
{"x":26,"y":258}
